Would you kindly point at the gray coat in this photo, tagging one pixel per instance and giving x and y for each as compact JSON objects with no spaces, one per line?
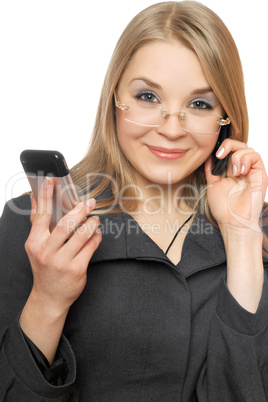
{"x":143,"y":329}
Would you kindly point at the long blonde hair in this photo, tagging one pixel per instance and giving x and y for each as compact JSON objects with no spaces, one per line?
{"x":200,"y":29}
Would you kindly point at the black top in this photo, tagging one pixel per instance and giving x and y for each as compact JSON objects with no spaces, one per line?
{"x":143,"y":329}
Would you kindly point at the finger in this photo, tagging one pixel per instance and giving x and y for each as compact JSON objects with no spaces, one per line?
{"x":235,"y":165}
{"x":43,"y":214}
{"x":211,"y":178}
{"x":240,"y":162}
{"x":81,"y":237}
{"x":228,"y":146}
{"x":244,"y":162}
{"x":33,"y":208}
{"x":70,"y":223}
{"x":86,"y":253}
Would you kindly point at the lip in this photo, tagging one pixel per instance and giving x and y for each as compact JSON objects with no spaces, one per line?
{"x":166,"y":153}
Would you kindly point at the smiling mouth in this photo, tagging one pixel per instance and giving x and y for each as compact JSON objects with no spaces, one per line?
{"x":165,"y":153}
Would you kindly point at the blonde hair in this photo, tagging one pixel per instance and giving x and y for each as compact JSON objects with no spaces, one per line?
{"x":201,"y":30}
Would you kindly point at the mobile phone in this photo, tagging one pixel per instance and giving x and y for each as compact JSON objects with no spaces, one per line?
{"x":219,"y":165}
{"x":39,"y":164}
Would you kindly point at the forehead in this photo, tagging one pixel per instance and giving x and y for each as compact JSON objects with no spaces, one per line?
{"x":170,"y":64}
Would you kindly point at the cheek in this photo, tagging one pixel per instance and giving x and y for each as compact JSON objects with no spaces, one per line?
{"x":123,"y":135}
{"x":201,"y":151}
{"x":206,"y":145}
{"x":127,"y":133}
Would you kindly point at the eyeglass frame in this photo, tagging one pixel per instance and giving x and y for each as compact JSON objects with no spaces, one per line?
{"x":165,"y":113}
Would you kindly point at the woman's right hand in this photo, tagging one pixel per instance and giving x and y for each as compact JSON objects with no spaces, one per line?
{"x":59,"y":261}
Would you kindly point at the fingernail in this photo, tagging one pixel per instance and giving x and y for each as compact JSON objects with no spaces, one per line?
{"x":234,"y":170}
{"x":91,"y":202}
{"x":46,"y":181}
{"x":96,"y":217}
{"x":220,"y":152}
{"x":243,"y":168}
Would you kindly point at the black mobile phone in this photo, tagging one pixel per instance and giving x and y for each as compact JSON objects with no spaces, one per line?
{"x":219,"y":165}
{"x":39,"y":164}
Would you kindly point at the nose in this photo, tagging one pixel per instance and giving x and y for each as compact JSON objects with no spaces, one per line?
{"x":172,"y":125}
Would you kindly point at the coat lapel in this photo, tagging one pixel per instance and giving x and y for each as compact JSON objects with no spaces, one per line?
{"x":124,"y":239}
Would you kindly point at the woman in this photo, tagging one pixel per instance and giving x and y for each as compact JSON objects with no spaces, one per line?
{"x":168,"y":301}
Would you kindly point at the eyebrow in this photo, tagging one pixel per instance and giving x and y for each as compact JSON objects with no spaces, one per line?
{"x":198,"y":91}
{"x":147,"y":81}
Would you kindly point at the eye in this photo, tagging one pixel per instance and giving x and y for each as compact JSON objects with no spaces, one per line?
{"x":148,"y":97}
{"x":200,"y":104}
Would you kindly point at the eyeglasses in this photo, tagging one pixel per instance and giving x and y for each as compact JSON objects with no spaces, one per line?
{"x":149,"y":114}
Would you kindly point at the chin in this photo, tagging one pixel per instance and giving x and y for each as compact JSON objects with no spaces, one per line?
{"x":167,"y":177}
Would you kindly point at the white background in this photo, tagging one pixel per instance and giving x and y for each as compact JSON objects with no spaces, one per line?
{"x":53,"y":58}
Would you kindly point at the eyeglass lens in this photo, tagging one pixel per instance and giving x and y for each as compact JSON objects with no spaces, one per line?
{"x":198,"y":121}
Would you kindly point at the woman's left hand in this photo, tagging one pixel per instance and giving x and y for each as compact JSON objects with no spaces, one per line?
{"x":236,"y":201}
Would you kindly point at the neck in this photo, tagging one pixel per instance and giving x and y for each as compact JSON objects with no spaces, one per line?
{"x":164,"y":199}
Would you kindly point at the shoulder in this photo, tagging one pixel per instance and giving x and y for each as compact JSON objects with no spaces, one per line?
{"x":15,"y":219}
{"x":20,"y":206}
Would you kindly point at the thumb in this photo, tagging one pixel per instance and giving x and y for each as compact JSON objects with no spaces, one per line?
{"x":33,"y":207}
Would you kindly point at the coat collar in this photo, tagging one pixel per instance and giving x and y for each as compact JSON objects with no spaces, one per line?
{"x":123,"y":238}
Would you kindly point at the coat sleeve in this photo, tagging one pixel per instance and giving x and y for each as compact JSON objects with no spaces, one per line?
{"x":20,"y":377}
{"x":236,"y":368}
